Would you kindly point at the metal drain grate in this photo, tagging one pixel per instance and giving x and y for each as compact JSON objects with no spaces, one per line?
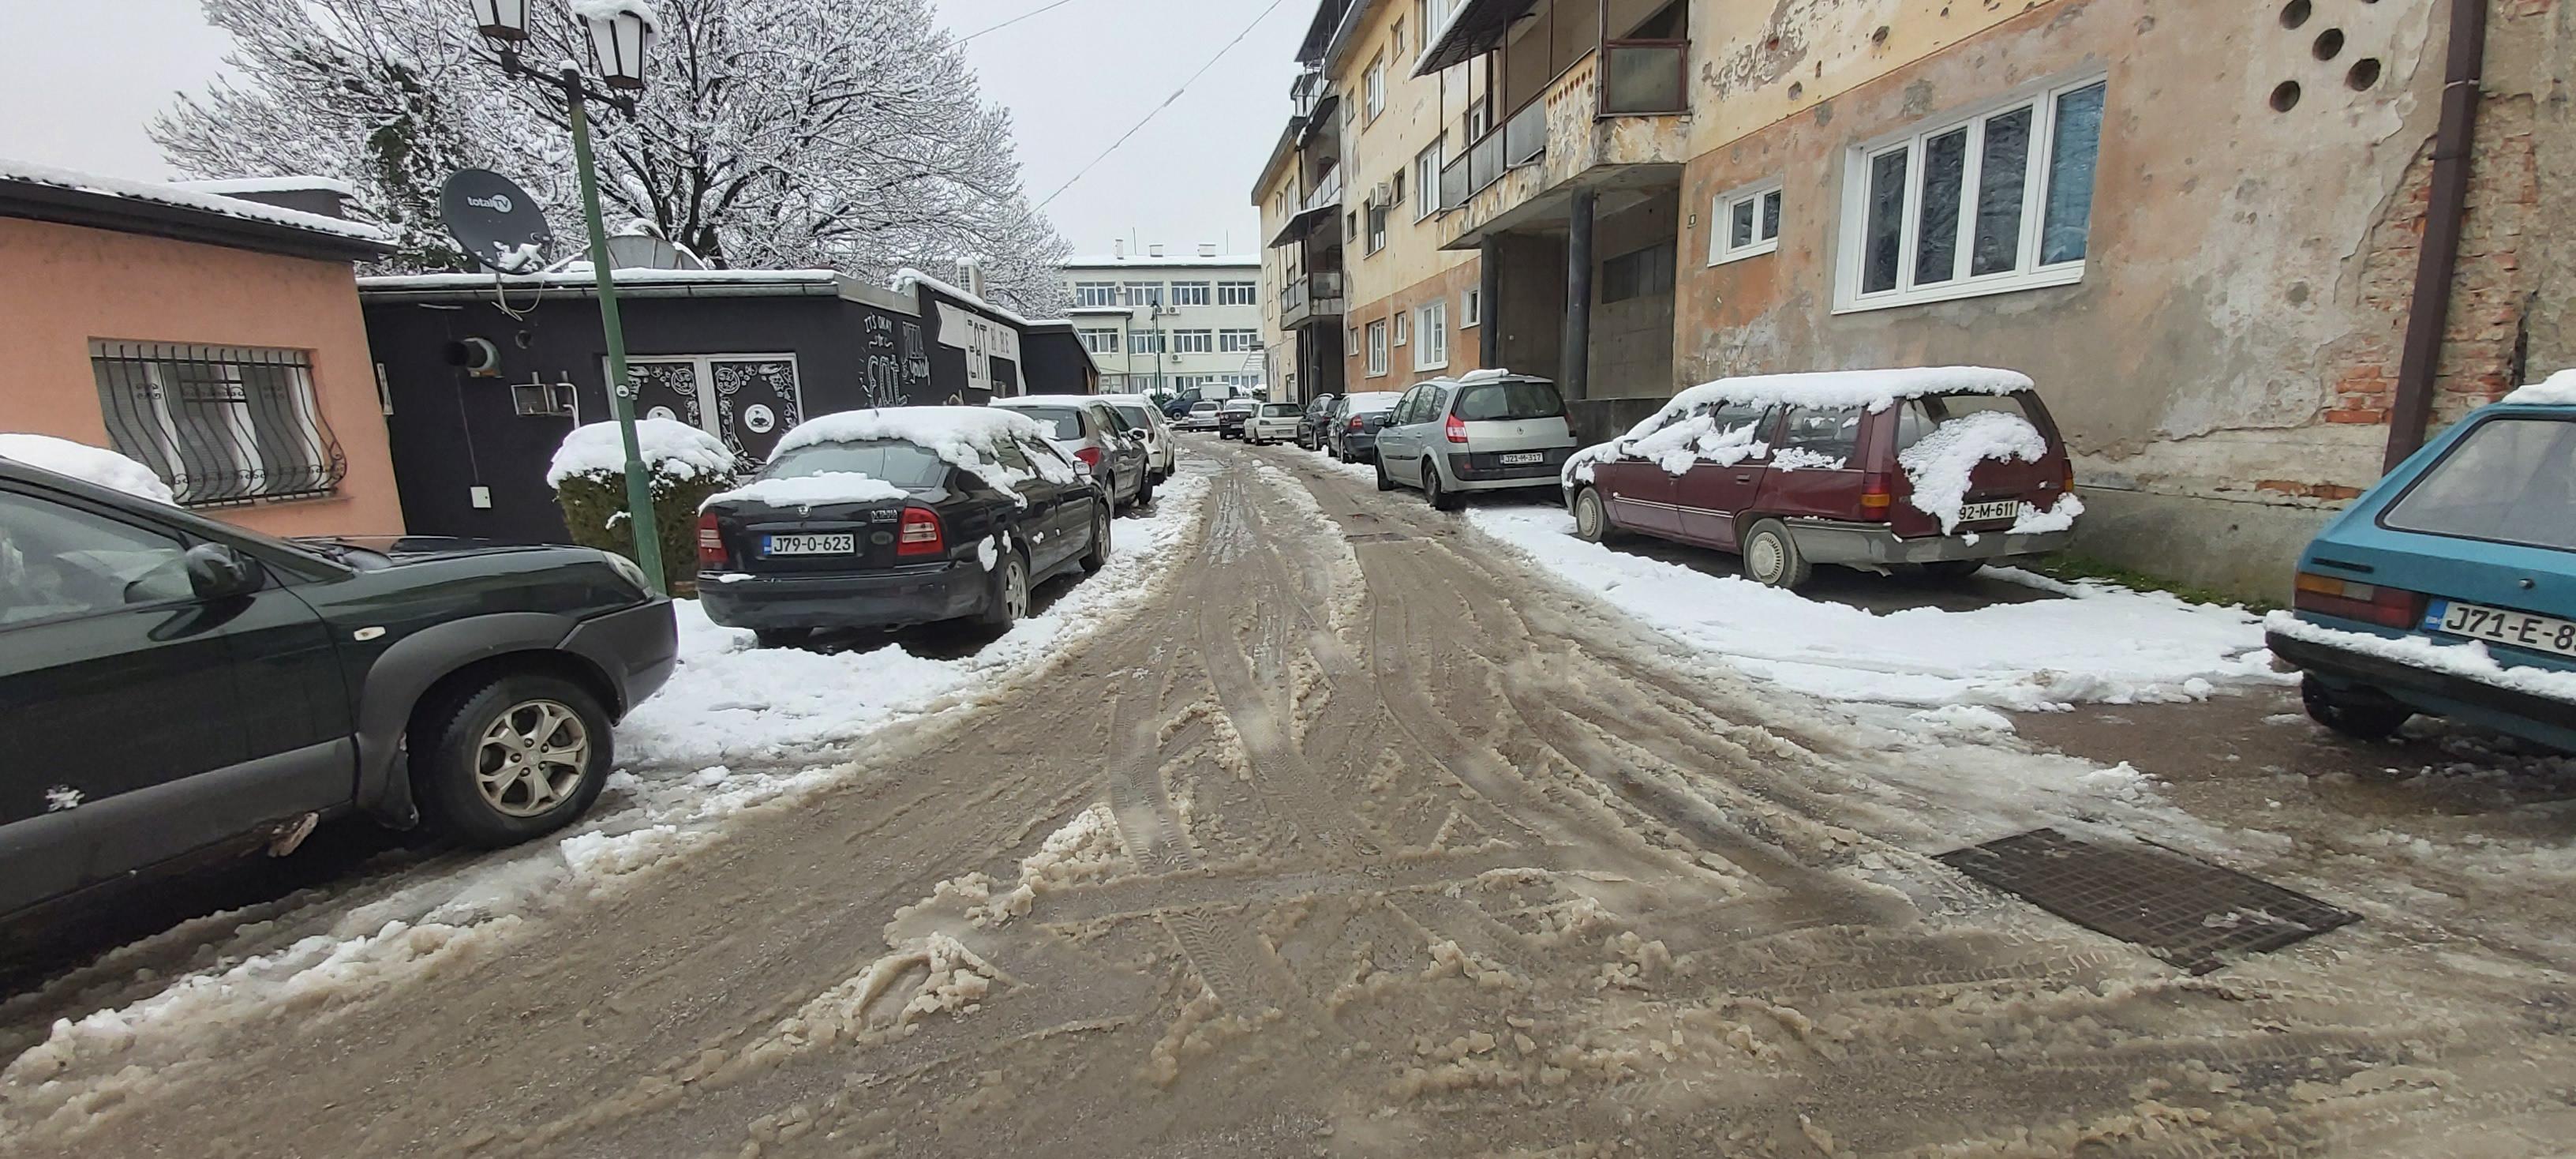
{"x":1376,"y":537}
{"x":2181,"y":909}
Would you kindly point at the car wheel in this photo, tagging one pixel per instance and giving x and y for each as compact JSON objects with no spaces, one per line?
{"x":1440,"y":497}
{"x":1592,"y":517}
{"x":512,"y":760}
{"x":1385,"y":482}
{"x":1145,"y":492}
{"x":1098,"y":556}
{"x":2355,"y":717}
{"x":1330,"y":452}
{"x":1772,"y":557}
{"x":1009,"y":603}
{"x":782,"y":637}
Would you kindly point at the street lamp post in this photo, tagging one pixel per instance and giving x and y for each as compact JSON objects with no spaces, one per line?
{"x":621,"y":33}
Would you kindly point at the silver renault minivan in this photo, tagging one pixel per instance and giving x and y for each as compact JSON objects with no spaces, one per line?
{"x":1491,"y":430}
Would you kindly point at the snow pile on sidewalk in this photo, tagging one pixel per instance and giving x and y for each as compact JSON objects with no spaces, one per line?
{"x":668,"y":447}
{"x":685,"y":755}
{"x":2101,"y":644}
{"x":86,"y":463}
{"x":1940,"y":463}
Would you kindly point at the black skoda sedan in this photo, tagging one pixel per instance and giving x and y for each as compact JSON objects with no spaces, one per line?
{"x":895,"y":517}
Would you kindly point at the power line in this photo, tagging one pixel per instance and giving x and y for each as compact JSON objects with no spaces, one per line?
{"x":1167,"y":102}
{"x":1014,"y":20}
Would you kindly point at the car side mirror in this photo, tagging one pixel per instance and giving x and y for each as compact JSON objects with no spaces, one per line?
{"x":217,"y":572}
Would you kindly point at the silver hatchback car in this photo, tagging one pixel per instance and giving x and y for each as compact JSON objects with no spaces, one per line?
{"x":1489,"y":431}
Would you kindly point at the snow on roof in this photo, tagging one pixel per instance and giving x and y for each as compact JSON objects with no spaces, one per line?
{"x":1874,"y":389}
{"x":1113,"y":261}
{"x":1049,"y":400}
{"x":2558,"y":390}
{"x":86,"y":463}
{"x":807,"y":490}
{"x":669,"y":446}
{"x":582,"y":276}
{"x":907,"y":278}
{"x":965,"y":436}
{"x":182,"y":198}
{"x":233,"y":185}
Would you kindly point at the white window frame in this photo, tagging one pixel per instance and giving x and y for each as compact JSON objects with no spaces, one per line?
{"x":1180,"y":292}
{"x":1852,"y":242}
{"x":1373,"y":91}
{"x":1376,"y":240}
{"x":1116,"y":341}
{"x":1721,"y":240}
{"x":1238,"y":293}
{"x":1128,"y":291}
{"x":1471,"y":307}
{"x":1403,"y":327}
{"x":1431,"y":349}
{"x":1426,"y":176}
{"x":1193,"y":341}
{"x":1143,"y":342}
{"x":1377,"y":359}
{"x":1106,"y":292}
{"x":1237,"y":341}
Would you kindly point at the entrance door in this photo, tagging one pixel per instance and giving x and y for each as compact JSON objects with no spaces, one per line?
{"x":747,"y":400}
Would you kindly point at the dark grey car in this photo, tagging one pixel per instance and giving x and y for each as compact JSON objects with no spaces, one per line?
{"x":1350,"y":432}
{"x":1088,"y":431}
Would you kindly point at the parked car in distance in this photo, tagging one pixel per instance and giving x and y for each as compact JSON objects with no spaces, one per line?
{"x":894,"y":517}
{"x":1201,"y":417}
{"x":1275,"y":422}
{"x":1488,"y":431}
{"x":1161,"y":449}
{"x":1941,"y":469}
{"x":2449,"y":588}
{"x":1090,"y":433}
{"x":1232,"y":414}
{"x":179,"y":689}
{"x":1310,"y":422}
{"x":1350,"y":433}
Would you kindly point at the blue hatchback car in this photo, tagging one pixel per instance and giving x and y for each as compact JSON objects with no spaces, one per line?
{"x":2450,"y":588}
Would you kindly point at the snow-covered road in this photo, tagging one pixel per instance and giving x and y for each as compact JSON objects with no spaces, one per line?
{"x":1347,"y":827}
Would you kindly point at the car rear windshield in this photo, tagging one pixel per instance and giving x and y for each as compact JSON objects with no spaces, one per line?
{"x":1922,"y":414}
{"x":893,"y":460}
{"x":1281,"y":410}
{"x":1203,"y":408}
{"x":1241,"y":404}
{"x":2512,"y":480}
{"x":1505,"y":401}
{"x":1134,"y":414}
{"x":1062,"y":422}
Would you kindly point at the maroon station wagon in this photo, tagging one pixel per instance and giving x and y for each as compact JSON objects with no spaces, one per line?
{"x":1789,"y":484}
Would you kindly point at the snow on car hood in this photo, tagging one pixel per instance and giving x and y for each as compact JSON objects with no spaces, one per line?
{"x":86,"y":463}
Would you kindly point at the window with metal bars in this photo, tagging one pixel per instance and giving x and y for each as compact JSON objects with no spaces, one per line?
{"x":219,"y":424}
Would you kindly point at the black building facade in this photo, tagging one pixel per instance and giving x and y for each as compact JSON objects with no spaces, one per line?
{"x":481,"y":383}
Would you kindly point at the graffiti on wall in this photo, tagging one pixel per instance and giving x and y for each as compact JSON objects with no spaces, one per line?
{"x":890,"y":374}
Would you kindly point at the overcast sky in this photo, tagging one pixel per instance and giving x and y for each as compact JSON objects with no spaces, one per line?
{"x":84,"y":75}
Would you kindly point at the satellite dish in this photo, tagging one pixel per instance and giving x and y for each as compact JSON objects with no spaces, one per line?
{"x":495,"y":222}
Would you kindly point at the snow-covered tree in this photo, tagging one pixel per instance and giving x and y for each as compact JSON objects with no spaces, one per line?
{"x":772,"y":133}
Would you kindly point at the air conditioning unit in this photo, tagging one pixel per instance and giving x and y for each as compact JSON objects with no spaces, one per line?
{"x":1383,"y":195}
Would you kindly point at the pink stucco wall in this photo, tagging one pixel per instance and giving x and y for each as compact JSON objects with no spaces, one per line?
{"x":61,"y":286}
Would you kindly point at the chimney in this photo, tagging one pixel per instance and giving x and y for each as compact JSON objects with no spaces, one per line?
{"x":970,"y":275}
{"x":1207,"y":249}
{"x":1118,"y":249}
{"x":1158,"y":249}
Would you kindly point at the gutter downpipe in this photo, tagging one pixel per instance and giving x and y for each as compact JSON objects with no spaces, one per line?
{"x":2437,"y":262}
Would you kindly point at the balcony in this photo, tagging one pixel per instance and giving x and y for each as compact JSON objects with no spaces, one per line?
{"x":1581,"y":132}
{"x":1311,"y":300}
{"x":1327,"y":193}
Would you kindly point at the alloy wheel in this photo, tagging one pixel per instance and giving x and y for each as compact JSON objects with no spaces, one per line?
{"x":531,"y":758}
{"x":1015,"y":590}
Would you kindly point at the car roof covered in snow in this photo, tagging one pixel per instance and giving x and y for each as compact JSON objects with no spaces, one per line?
{"x":964,"y":436}
{"x":2557,"y":390}
{"x":1050,"y":400}
{"x":1372,"y":401}
{"x":1873,"y":389}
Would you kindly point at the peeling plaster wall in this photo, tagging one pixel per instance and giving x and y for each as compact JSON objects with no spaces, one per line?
{"x":2235,"y":335}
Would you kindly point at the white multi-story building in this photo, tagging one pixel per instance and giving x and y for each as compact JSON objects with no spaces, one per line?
{"x":1170,"y":325}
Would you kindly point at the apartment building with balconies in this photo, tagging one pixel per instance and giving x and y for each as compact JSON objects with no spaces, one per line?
{"x":1171,"y":324}
{"x":2249,"y":251}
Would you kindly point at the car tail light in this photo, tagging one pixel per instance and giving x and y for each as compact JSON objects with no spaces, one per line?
{"x":1876,"y":495}
{"x":711,"y":548}
{"x":1090,"y":457}
{"x":2070,"y":476}
{"x":1356,"y":423}
{"x":2368,"y":603}
{"x":1572,"y":433}
{"x":922,"y":534}
{"x":1457,"y":428}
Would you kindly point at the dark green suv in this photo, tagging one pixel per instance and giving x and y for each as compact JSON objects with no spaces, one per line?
{"x":174,"y":687}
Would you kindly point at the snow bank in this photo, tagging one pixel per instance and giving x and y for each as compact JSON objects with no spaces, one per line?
{"x":1940,"y":463}
{"x":669,"y":446}
{"x":964,"y":436}
{"x":2558,"y":390}
{"x":86,"y":463}
{"x":827,"y":487}
{"x":2468,"y":658}
{"x":2100,"y":644}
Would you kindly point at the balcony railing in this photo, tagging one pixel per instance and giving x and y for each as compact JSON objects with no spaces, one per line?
{"x":1522,"y":140}
{"x":1645,"y":77}
{"x":1328,"y":193}
{"x":1309,"y":296}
